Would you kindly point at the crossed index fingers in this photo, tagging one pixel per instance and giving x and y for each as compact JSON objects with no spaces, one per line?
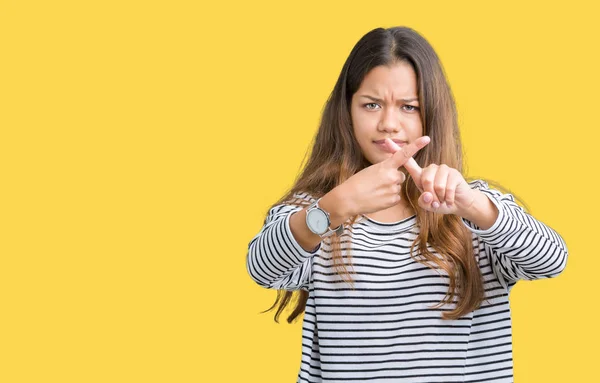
{"x":403,"y":156}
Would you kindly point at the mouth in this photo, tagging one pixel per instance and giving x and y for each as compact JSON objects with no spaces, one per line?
{"x":398,"y":142}
{"x":381,"y":144}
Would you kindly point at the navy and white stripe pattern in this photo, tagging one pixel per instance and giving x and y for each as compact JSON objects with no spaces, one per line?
{"x":384,"y":329}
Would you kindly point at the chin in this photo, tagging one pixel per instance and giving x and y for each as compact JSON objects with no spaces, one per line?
{"x":376,"y":159}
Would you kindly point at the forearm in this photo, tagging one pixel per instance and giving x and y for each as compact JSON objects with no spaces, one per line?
{"x":333,"y":203}
{"x":275,"y":259}
{"x":522,"y":246}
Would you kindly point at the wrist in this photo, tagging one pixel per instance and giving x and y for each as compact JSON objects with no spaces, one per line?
{"x":334,"y":203}
{"x":482,"y":212}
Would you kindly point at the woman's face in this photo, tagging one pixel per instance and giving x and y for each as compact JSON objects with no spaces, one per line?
{"x":386,"y":105}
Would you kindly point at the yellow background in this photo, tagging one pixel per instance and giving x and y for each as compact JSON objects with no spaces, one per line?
{"x":142,"y":142}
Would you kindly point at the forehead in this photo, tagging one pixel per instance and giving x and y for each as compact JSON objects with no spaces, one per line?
{"x":397,"y":80}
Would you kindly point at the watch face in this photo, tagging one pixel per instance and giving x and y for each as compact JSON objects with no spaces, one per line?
{"x":317,"y":221}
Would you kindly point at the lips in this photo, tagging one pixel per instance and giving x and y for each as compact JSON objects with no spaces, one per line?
{"x":382,"y":145}
{"x":398,"y":142}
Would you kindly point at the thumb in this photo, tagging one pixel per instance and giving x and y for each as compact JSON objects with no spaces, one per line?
{"x":425,"y":200}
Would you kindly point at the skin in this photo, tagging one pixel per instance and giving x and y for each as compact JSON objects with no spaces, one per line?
{"x":375,"y":189}
{"x":386,"y":107}
{"x":396,"y":115}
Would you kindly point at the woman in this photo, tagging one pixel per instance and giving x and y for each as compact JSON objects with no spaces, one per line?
{"x":402,"y":268}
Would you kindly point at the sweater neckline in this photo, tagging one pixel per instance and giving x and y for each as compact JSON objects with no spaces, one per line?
{"x":405,"y":223}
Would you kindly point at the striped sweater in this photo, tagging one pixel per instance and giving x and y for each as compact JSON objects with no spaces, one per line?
{"x":384,"y":329}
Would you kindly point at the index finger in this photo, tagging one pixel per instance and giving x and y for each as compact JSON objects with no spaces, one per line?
{"x":404,"y":154}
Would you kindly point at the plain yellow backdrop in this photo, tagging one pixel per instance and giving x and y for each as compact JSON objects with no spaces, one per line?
{"x":143,"y":141}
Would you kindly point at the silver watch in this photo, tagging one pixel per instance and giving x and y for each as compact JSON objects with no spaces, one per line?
{"x":318,"y":221}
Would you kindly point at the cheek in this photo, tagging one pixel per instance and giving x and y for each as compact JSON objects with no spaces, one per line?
{"x":416,"y":128}
{"x":360,"y":132}
{"x":362,"y":125}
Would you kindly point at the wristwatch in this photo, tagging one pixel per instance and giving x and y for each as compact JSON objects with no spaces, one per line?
{"x":318,"y":221}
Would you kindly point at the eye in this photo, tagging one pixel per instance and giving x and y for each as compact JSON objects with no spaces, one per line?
{"x":411,"y":108}
{"x":371,"y":103}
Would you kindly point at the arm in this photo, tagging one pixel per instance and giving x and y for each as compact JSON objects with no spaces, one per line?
{"x":280,"y":255}
{"x":520,"y":246}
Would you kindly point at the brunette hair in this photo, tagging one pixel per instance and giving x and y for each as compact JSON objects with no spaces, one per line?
{"x":336,"y":156}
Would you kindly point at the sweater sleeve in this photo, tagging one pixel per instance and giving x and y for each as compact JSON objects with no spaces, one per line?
{"x":518,"y":245}
{"x":275,"y":260}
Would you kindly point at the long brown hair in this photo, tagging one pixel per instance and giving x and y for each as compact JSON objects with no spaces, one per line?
{"x":336,"y":156}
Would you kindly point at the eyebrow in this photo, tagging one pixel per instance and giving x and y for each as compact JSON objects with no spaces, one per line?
{"x":378,"y":100}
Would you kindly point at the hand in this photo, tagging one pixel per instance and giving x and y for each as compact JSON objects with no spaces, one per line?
{"x":443,"y":189}
{"x":378,"y":186}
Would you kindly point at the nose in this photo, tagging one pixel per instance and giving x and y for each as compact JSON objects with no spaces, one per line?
{"x":390,"y":121}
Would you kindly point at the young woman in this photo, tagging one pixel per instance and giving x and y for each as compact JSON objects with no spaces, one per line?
{"x":402,"y":267}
